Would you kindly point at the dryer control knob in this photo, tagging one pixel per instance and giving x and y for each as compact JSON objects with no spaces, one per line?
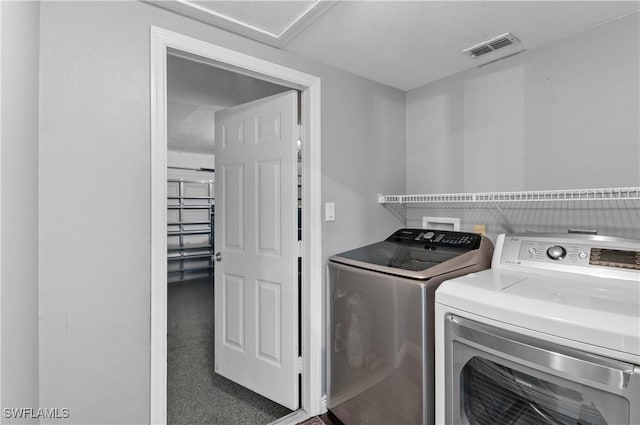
{"x":556,"y":252}
{"x":428,"y":235}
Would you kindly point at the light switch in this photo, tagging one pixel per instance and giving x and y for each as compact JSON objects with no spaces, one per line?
{"x":329,"y":211}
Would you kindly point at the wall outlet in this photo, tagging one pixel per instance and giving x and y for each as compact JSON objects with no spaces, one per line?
{"x":441,"y":223}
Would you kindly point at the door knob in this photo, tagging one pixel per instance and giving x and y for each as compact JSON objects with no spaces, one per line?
{"x":218,"y":256}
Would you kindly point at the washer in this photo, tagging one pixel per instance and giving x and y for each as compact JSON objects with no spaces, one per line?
{"x":380,"y":327}
{"x":550,"y":335}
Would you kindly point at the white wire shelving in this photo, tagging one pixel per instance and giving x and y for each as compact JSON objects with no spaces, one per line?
{"x":606,"y":194}
{"x":618,"y":197}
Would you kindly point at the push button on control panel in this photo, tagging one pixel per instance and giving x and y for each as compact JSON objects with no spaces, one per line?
{"x":428,"y":235}
{"x":556,"y":252}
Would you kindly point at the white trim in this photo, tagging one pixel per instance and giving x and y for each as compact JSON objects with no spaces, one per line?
{"x":325,"y":399}
{"x":312,"y":294}
{"x":158,"y":231}
{"x":292,"y":418}
{"x":204,"y":14}
{"x":161,"y":40}
{"x":1,"y":212}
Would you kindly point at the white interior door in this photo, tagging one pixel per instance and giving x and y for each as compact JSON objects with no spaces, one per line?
{"x":256,"y":281}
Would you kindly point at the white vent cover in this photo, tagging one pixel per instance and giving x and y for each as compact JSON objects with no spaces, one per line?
{"x":489,"y":46}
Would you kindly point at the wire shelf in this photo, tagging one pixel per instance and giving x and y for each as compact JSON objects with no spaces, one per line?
{"x":181,"y":229}
{"x":607,"y":194}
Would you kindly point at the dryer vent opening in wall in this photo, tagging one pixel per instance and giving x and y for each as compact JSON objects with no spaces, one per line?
{"x":492,"y":45}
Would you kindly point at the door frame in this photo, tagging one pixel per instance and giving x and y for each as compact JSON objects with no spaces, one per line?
{"x":161,"y":40}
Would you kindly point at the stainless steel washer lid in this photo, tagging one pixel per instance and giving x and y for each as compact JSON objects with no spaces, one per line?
{"x":420,"y":254}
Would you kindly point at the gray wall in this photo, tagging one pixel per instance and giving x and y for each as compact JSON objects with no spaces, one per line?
{"x":95,"y":192}
{"x":560,"y":116}
{"x":363,"y":154}
{"x":19,"y":202}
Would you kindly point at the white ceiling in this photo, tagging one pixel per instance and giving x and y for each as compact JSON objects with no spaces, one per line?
{"x":403,"y":44}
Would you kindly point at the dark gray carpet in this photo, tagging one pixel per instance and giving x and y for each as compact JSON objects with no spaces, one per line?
{"x":195,"y":394}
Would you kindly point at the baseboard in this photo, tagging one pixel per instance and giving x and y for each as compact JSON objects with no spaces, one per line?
{"x":292,"y":418}
{"x":323,"y":403}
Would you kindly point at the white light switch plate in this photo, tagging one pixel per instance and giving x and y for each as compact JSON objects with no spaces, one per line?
{"x":329,"y":211}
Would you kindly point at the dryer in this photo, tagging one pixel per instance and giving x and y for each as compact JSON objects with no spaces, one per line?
{"x":380,"y":323}
{"x":550,"y":335}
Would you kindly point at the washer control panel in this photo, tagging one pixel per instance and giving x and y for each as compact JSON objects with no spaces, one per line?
{"x":568,"y":252}
{"x":552,"y":252}
{"x":436,"y":238}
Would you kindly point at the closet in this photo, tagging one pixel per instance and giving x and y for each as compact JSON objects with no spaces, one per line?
{"x":196,"y":90}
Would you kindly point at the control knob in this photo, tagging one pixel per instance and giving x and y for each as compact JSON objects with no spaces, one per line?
{"x":556,"y":252}
{"x":428,"y":235}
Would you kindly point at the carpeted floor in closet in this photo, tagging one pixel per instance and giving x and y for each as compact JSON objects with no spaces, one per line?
{"x":195,"y":394}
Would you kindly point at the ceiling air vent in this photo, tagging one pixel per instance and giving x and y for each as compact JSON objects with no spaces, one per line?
{"x":489,"y":46}
{"x":482,"y":50}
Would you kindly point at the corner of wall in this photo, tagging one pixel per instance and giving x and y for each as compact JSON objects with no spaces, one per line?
{"x":19,"y":367}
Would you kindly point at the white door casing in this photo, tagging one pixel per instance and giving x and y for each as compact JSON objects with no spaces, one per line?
{"x":161,"y":42}
{"x":256,"y":281}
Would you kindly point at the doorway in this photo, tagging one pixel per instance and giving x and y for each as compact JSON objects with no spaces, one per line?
{"x":162,"y":42}
{"x":199,"y":96}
